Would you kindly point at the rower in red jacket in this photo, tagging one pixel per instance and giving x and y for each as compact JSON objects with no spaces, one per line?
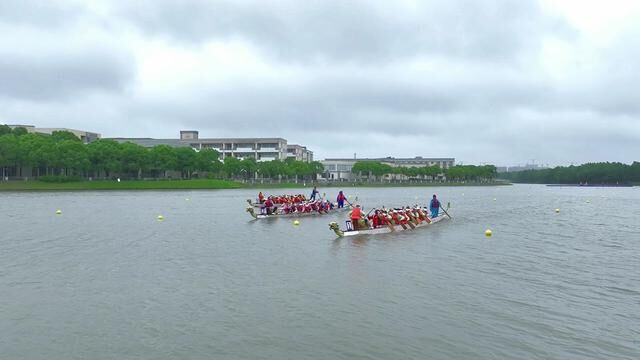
{"x":356,"y":215}
{"x":268,"y":206}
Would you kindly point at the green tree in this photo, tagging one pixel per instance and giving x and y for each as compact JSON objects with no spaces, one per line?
{"x":72,"y":157}
{"x":8,"y":152}
{"x":590,"y":173}
{"x":208,"y":160}
{"x":163,"y":158}
{"x":19,"y":131}
{"x":134,"y":159}
{"x":43,"y":153}
{"x":105,"y":157}
{"x":232,"y":166}
{"x":186,"y":161}
{"x":248,"y":167}
{"x":29,"y":153}
{"x":64,"y":135}
{"x":4,"y":130}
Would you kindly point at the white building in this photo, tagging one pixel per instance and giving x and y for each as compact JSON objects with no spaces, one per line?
{"x":261,"y":149}
{"x":299,"y":152}
{"x":340,"y":169}
{"x":85,"y":136}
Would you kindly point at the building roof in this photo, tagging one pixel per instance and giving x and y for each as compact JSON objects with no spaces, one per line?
{"x":47,"y":130}
{"x":237,"y":140}
{"x":389,"y":158}
{"x":149,"y":142}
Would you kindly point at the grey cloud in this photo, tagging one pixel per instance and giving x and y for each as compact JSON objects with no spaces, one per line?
{"x":59,"y":76}
{"x":39,"y":13}
{"x":353,"y":30}
{"x":360,"y":98}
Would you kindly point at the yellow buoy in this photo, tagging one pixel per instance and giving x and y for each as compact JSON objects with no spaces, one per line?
{"x":160,"y":217}
{"x":557,"y":211}
{"x":488,"y":233}
{"x":296,"y":222}
{"x":494,"y":199}
{"x":58,"y":212}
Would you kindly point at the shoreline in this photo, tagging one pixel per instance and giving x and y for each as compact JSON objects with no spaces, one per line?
{"x":132,"y":185}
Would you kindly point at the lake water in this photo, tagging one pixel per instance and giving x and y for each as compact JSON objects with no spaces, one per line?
{"x":107,"y":280}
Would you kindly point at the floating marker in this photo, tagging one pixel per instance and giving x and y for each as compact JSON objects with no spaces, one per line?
{"x":488,"y":233}
{"x":557,"y":211}
{"x":494,"y":199}
{"x":58,"y":212}
{"x":187,"y":199}
{"x":296,"y":222}
{"x":160,"y":217}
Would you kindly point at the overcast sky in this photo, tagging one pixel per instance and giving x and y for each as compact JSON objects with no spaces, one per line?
{"x":502,"y":82}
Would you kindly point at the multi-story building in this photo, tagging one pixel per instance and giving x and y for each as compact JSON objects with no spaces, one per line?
{"x":85,"y":136}
{"x":299,"y":152}
{"x":340,"y":169}
{"x":261,"y":149}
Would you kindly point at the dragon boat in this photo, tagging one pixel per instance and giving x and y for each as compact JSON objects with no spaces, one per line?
{"x":256,"y":203}
{"x":257,"y":215}
{"x":391,"y":227}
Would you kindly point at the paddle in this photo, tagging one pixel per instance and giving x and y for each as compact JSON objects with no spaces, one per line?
{"x":425,"y":216}
{"x":348,"y":202}
{"x":322,"y":202}
{"x":390,"y":223}
{"x":445,"y":211}
{"x":411,"y":225}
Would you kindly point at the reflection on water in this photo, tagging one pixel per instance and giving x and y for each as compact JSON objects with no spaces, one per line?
{"x":106,"y":280}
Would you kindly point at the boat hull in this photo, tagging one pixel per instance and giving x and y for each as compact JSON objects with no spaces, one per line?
{"x":385,"y":229}
{"x":258,"y":216}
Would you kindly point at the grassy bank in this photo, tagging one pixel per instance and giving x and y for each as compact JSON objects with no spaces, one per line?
{"x":198,"y":184}
{"x":123,"y":185}
{"x":370,"y":184}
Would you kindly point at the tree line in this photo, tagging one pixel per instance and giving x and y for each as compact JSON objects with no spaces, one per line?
{"x":374,"y":170}
{"x":608,"y":173}
{"x":62,"y":154}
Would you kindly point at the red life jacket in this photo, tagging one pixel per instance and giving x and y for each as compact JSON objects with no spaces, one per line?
{"x":356,"y":213}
